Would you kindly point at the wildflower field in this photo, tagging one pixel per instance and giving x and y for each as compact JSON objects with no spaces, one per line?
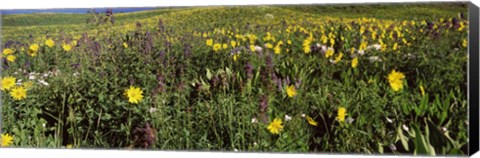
{"x":377,"y":78}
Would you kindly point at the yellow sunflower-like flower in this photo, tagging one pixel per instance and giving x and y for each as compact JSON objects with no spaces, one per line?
{"x":275,"y":127}
{"x":311,"y":121}
{"x":125,"y":45}
{"x":329,"y":53}
{"x":355,"y":62}
{"x":7,"y":51}
{"x":11,"y":58}
{"x":209,"y":42}
{"x":396,"y":80}
{"x":50,"y":43}
{"x":341,"y":114}
{"x":233,"y":43}
{"x":8,"y":82}
{"x":291,"y":91}
{"x":67,"y":47}
{"x":33,"y":49}
{"x":7,"y":140}
{"x":217,"y":47}
{"x":18,"y":93}
{"x":134,"y":94}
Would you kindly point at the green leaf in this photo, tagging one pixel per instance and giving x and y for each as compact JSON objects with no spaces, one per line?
{"x":421,"y":145}
{"x":437,"y":139}
{"x":209,"y":74}
{"x":402,"y":138}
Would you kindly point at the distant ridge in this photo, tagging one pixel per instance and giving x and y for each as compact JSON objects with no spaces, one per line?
{"x":74,"y":10}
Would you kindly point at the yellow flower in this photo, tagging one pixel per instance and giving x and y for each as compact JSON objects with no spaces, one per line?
{"x":275,"y":126}
{"x":289,"y":42}
{"x":125,"y":45}
{"x":329,"y":53}
{"x":341,"y":114}
{"x":66,"y":47}
{"x":7,"y":51}
{"x":306,"y":46}
{"x":209,"y":42}
{"x":235,"y":57}
{"x":277,"y":49}
{"x":355,"y":62}
{"x":225,"y":46}
{"x":233,"y":43}
{"x":18,"y":93}
{"x":7,"y":140}
{"x":396,"y":85}
{"x":311,"y":121}
{"x":394,"y":75}
{"x":252,"y":48}
{"x":338,"y":58}
{"x":396,"y":80}
{"x":216,"y":47}
{"x":422,"y":90}
{"x":69,"y":146}
{"x":395,"y":46}
{"x":33,"y":49}
{"x":134,"y":94}
{"x":269,"y":45}
{"x":50,"y":43}
{"x":8,"y":82}
{"x":291,"y":91}
{"x":11,"y":58}
{"x":464,"y":43}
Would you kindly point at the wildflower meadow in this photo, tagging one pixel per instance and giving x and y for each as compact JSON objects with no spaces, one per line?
{"x":357,"y":78}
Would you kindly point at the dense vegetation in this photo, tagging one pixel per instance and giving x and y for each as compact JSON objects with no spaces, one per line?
{"x":387,"y":78}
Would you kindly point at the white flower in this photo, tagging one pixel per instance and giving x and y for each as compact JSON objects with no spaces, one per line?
{"x":19,"y":82}
{"x":43,"y":125}
{"x":287,"y":118}
{"x":43,"y":82}
{"x":31,"y":77}
{"x":405,"y":128}
{"x":324,"y":48}
{"x":349,"y":120}
{"x":45,"y":75}
{"x":236,"y":150}
{"x":258,"y":49}
{"x":76,"y":74}
{"x":254,"y":120}
{"x":152,"y":110}
{"x":361,"y":52}
{"x":303,"y":115}
{"x":375,"y":46}
{"x":255,"y":144}
{"x":374,"y":58}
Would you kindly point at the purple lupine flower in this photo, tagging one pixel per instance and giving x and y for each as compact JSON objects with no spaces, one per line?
{"x":269,"y":63}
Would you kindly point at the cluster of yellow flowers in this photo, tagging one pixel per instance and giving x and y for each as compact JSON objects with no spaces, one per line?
{"x":16,"y":92}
